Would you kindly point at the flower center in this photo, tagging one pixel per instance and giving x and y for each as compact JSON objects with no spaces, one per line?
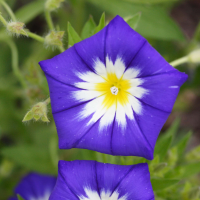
{"x":114,"y":90}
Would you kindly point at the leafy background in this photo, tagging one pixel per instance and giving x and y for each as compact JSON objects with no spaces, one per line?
{"x":171,"y":26}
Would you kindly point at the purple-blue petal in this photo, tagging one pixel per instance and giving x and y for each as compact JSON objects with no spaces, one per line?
{"x":92,"y":48}
{"x":35,"y":185}
{"x":162,"y":89}
{"x":75,"y":177}
{"x":132,"y":142}
{"x":122,"y":41}
{"x":139,"y":173}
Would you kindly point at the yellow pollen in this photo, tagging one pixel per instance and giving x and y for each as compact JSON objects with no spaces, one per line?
{"x":114,"y":89}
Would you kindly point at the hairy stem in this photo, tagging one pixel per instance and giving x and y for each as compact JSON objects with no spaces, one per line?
{"x":49,"y":20}
{"x":35,"y":36}
{"x":15,"y":65}
{"x":8,"y":9}
{"x":4,"y":22}
{"x":179,"y":61}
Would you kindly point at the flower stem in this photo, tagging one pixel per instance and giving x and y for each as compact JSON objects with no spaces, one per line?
{"x":15,"y":65}
{"x":35,"y":36}
{"x":3,"y":20}
{"x":10,"y":12}
{"x":49,"y":20}
{"x":179,"y":61}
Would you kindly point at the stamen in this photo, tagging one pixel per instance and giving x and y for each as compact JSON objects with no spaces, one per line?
{"x":114,"y":90}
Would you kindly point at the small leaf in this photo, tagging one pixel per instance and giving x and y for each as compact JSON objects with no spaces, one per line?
{"x":159,"y":167}
{"x":190,"y":169}
{"x":19,"y":197}
{"x":30,"y":11}
{"x":173,"y":128}
{"x":36,"y":117}
{"x":44,"y":118}
{"x":29,"y":115}
{"x":196,"y":36}
{"x":88,"y":29}
{"x":54,"y":38}
{"x":73,"y":36}
{"x":194,"y":154}
{"x":172,"y":156}
{"x":165,"y":140}
{"x":162,"y":146}
{"x":101,"y":24}
{"x":160,"y":184}
{"x":134,"y":20}
{"x":183,"y":143}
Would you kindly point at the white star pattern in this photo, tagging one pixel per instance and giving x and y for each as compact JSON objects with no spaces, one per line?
{"x":105,"y":195}
{"x":112,"y":91}
{"x":44,"y":197}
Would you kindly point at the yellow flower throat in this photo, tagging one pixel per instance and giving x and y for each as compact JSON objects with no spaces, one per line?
{"x":114,"y":89}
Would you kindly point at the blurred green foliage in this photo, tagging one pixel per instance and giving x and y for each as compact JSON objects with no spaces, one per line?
{"x":33,"y":146}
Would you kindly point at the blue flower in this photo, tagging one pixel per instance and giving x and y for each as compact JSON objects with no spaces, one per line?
{"x":90,"y":180}
{"x":35,"y":187}
{"x":112,"y":92}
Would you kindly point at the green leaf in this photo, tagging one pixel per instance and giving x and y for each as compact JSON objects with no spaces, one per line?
{"x":196,"y":36}
{"x":190,"y":169}
{"x":19,"y":197}
{"x":30,"y":11}
{"x":164,"y":141}
{"x":88,"y":29}
{"x":31,"y":157}
{"x":155,"y":21}
{"x":194,"y":154}
{"x":73,"y":36}
{"x":101,"y":24}
{"x":162,"y":146}
{"x":161,"y":184}
{"x":134,"y":20}
{"x":172,"y":130}
{"x":150,"y":1}
{"x":183,"y":143}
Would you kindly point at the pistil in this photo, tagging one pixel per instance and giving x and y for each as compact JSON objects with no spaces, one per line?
{"x":114,"y":90}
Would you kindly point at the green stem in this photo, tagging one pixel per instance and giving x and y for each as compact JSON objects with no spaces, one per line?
{"x":10,"y":12}
{"x":179,"y":61}
{"x":49,"y":20}
{"x":3,"y":20}
{"x":15,"y":65}
{"x":35,"y":36}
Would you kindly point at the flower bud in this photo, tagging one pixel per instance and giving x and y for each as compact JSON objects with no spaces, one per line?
{"x":54,"y":38}
{"x":51,"y":5}
{"x":194,"y":56}
{"x":16,"y":28}
{"x":38,"y":111}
